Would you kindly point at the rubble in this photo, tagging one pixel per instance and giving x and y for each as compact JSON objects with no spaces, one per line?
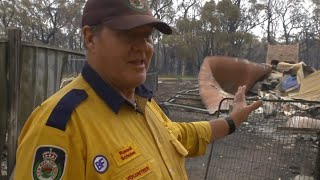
{"x":295,"y":84}
{"x":284,"y":132}
{"x":303,"y":122}
{"x":220,"y":77}
{"x":301,"y":70}
{"x":310,"y":88}
{"x":289,"y":91}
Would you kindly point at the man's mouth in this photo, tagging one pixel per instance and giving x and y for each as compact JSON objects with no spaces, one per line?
{"x":137,"y":62}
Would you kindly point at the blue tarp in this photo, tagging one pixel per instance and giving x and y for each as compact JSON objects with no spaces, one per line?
{"x":290,"y":82}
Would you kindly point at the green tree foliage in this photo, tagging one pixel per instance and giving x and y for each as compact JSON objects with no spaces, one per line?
{"x":220,"y":29}
{"x":45,"y":18}
{"x":228,"y":15}
{"x":45,"y":21}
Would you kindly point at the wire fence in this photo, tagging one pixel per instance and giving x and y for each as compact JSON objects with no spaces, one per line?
{"x":278,"y":141}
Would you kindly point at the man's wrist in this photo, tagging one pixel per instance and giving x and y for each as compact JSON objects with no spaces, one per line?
{"x":232,"y":125}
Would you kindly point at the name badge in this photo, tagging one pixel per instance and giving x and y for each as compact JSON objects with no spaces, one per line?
{"x":126,"y":154}
{"x":139,"y":172}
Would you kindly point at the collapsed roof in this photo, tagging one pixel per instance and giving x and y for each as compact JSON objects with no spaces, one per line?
{"x":220,"y":77}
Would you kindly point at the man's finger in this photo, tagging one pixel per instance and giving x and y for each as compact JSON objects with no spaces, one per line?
{"x":255,"y":105}
{"x":240,"y":94}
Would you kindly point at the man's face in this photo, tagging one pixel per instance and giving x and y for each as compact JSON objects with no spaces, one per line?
{"x":122,"y":58}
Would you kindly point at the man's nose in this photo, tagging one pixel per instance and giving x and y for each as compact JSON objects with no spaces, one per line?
{"x":139,"y":43}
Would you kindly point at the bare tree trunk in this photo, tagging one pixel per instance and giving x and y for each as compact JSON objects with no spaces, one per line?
{"x":269,"y":29}
{"x":183,"y":68}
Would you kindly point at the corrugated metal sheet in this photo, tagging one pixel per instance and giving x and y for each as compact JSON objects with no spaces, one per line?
{"x":220,"y":77}
{"x":34,"y":74}
{"x":300,"y":69}
{"x":42,"y":70}
{"x":310,"y":88}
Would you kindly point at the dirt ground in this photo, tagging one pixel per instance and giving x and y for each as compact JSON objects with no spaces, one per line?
{"x":258,"y":150}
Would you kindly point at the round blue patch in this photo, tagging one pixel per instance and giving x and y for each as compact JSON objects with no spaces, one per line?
{"x":100,"y":163}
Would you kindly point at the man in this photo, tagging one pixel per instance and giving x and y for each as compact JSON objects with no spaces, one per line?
{"x":105,"y":124}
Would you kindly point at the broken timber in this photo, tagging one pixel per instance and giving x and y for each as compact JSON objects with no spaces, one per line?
{"x":185,"y":106}
{"x":293,"y":130}
{"x":184,"y":99}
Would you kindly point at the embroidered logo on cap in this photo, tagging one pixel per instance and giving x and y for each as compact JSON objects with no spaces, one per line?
{"x":49,"y":163}
{"x":100,"y":163}
{"x":138,"y":4}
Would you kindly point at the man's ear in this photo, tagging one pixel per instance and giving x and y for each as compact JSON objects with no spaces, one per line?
{"x":87,"y":37}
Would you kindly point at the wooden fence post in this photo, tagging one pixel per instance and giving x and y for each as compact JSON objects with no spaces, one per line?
{"x":13,"y":62}
{"x":3,"y":97}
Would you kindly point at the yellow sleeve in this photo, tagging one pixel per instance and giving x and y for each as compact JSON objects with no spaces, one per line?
{"x":45,"y":152}
{"x":194,"y":136}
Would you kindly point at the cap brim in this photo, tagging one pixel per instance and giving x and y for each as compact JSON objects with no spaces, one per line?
{"x":136,"y":20}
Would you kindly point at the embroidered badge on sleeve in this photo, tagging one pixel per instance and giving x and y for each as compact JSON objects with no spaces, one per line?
{"x":49,"y":163}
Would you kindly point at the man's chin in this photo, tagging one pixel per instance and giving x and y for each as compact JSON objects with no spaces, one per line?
{"x":136,"y":81}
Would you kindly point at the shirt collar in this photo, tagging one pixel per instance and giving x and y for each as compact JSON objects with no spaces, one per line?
{"x":107,"y":93}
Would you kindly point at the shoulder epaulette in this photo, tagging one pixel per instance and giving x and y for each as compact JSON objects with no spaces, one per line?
{"x":61,"y":113}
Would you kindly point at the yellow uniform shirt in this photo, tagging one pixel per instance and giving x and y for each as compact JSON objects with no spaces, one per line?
{"x":88,"y":131}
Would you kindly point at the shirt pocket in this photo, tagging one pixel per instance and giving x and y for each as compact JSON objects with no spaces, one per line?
{"x":134,"y":171}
